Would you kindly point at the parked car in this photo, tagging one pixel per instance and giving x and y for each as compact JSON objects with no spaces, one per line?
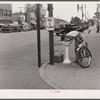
{"x":7,"y":29}
{"x":1,"y":25}
{"x":58,"y":27}
{"x":18,"y":28}
{"x":64,"y":29}
{"x":26,"y":28}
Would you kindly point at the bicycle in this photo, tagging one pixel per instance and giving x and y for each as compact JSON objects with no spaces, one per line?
{"x":84,"y":56}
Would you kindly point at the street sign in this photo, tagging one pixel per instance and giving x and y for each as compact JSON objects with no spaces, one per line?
{"x":50,"y":23}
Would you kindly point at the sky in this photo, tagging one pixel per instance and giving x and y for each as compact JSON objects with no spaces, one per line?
{"x":62,"y":10}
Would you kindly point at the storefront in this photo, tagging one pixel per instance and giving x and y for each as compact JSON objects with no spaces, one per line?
{"x":5,"y":13}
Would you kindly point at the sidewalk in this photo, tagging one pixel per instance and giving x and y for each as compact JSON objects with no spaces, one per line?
{"x":72,"y":76}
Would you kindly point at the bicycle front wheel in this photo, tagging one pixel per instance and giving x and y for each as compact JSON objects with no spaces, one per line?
{"x":84,"y":57}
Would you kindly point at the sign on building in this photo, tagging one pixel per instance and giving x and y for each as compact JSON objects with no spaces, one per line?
{"x":50,"y":23}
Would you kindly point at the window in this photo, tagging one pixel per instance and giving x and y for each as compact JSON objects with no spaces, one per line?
{"x":9,"y":13}
{"x":32,"y":18}
{"x":5,"y":12}
{"x":1,"y":12}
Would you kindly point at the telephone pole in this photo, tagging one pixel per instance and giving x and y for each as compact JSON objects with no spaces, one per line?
{"x":51,"y":38}
{"x":85,"y":13}
{"x":80,"y":8}
{"x":38,"y":36}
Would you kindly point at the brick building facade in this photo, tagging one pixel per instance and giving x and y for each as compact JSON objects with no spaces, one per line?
{"x":5,"y":13}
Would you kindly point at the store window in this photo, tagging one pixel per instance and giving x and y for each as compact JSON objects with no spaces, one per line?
{"x":1,"y":12}
{"x":5,"y":12}
{"x":9,"y":13}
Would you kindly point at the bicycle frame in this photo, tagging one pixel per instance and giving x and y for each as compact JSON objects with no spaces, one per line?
{"x":81,"y":45}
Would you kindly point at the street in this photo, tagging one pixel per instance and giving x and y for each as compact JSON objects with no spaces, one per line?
{"x":18,"y":60}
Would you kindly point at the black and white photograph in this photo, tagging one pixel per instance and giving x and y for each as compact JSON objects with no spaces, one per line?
{"x":52,"y":46}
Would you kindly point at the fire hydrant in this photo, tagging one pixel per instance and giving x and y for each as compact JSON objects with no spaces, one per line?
{"x":66,"y":55}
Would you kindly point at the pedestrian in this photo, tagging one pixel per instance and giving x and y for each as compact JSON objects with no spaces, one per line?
{"x":97,"y":27}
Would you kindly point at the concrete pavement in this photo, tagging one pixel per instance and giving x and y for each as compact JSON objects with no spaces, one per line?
{"x":18,"y":60}
{"x":72,"y":76}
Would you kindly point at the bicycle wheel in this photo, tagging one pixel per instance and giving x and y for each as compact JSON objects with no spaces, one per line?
{"x":84,"y":57}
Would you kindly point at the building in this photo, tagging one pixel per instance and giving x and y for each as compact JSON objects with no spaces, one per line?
{"x":5,"y":13}
{"x":30,"y":19}
{"x":18,"y":17}
{"x":59,"y":21}
{"x":22,"y":18}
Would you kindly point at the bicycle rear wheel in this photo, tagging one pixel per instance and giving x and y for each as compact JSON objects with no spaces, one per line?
{"x":84,"y":57}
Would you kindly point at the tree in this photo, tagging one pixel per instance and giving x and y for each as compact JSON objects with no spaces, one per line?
{"x":33,"y":8}
{"x":76,"y":20}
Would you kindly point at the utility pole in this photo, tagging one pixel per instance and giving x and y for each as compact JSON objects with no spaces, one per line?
{"x":51,"y":38}
{"x":85,"y":13}
{"x":82,"y":13}
{"x":38,"y":36}
{"x":81,"y":8}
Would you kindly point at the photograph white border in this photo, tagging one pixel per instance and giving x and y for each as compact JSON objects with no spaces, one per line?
{"x":48,"y":94}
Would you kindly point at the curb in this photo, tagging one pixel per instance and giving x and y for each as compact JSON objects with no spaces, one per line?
{"x":45,"y":78}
